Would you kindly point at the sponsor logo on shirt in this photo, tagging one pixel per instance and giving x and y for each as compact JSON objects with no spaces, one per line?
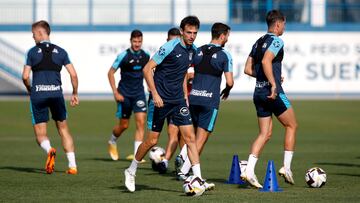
{"x":201,"y":93}
{"x":47,"y":88}
{"x":178,"y":55}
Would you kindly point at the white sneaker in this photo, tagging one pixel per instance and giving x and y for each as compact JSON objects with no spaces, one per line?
{"x":252,"y":180}
{"x":209,"y":186}
{"x":287,"y":175}
{"x":129,"y":180}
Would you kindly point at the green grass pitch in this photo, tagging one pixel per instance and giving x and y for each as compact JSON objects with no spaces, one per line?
{"x":328,"y":137}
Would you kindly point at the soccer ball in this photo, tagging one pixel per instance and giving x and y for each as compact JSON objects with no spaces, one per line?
{"x":315,"y":177}
{"x":193,"y":186}
{"x":157,"y":154}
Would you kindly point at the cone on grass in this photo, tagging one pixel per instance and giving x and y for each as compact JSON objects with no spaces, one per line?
{"x":234,"y":177}
{"x":270,"y":182}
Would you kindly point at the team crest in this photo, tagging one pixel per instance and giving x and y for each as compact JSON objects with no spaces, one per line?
{"x":161,"y":51}
{"x":140,"y":103}
{"x":276,"y":44}
{"x":184,"y":111}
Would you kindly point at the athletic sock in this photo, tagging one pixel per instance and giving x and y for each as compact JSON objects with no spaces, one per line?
{"x":186,"y":166}
{"x":250,"y":168}
{"x":136,"y":146}
{"x":166,"y":162}
{"x":133,"y":166}
{"x":196,"y":170}
{"x":45,"y":145}
{"x":71,"y":158}
{"x":183,"y":152}
{"x":113,"y":139}
{"x":288,"y":155}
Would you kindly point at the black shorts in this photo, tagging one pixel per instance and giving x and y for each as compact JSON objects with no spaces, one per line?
{"x":203,"y":116}
{"x":179,"y":114}
{"x":136,"y":104}
{"x":39,"y":108}
{"x":265,"y":107}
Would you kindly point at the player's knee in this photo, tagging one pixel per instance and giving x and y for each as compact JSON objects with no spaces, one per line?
{"x":124,"y":126}
{"x":152,"y":142}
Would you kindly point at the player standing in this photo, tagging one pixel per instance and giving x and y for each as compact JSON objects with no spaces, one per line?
{"x":264,"y":63}
{"x":211,"y":61}
{"x":168,"y":97}
{"x":45,"y":60}
{"x":129,"y":95}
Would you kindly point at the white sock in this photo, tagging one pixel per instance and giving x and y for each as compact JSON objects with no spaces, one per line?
{"x":136,"y":146}
{"x":71,"y":158}
{"x":250,"y":168}
{"x":196,"y":170}
{"x":288,"y":158}
{"x":133,"y":166}
{"x":166,"y":162}
{"x":45,"y":145}
{"x":113,"y":139}
{"x":186,"y":166}
{"x":183,"y":152}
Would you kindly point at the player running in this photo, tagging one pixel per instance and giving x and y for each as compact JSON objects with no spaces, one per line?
{"x":168,"y":97}
{"x":129,"y":95}
{"x":211,"y":61}
{"x":45,"y":60}
{"x":264,"y":63}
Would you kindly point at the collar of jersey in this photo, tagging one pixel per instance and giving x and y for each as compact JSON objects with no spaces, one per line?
{"x":134,"y":52}
{"x":183,"y":45}
{"x":217,"y":45}
{"x":45,"y":41}
{"x":270,"y":33}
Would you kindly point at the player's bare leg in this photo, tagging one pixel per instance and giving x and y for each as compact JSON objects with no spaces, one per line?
{"x":140,"y":118}
{"x":68,"y":144}
{"x":265,"y":132}
{"x":130,"y":173}
{"x":288,"y":120}
{"x":173,"y":133}
{"x":118,"y":129}
{"x":44,"y":142}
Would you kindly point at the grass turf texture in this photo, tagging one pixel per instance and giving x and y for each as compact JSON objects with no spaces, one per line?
{"x":328,"y":137}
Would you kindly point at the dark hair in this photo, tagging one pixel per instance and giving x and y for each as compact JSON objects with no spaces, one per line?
{"x":135,"y":34}
{"x":219,"y":28}
{"x":273,"y":16}
{"x":42,"y":24}
{"x":190,"y":20}
{"x":174,"y":31}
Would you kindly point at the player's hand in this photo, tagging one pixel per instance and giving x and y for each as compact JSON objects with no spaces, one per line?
{"x":282,"y":79}
{"x":118,"y":97}
{"x":225,"y":92}
{"x":158,"y":102}
{"x":74,"y":100}
{"x":187,"y":101}
{"x":273,"y":94}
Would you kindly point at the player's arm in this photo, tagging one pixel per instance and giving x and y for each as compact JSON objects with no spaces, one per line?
{"x":267,"y":67}
{"x":148,"y":75}
{"x":185,"y":89}
{"x":118,"y":97}
{"x":229,"y":84}
{"x":74,"y":82}
{"x":250,"y":67}
{"x":26,"y":77}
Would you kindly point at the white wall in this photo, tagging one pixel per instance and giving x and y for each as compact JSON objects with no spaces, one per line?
{"x":313,"y":63}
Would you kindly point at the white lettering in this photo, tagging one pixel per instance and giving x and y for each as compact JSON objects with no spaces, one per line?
{"x":201,"y":93}
{"x":47,"y":88}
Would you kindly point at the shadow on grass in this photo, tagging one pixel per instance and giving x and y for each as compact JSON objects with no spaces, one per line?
{"x":144,"y":187}
{"x":339,"y":164}
{"x":23,"y":169}
{"x":347,"y":174}
{"x":108,"y":160}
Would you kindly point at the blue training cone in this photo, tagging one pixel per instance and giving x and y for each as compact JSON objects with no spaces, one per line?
{"x":270,"y":182}
{"x":234,"y":177}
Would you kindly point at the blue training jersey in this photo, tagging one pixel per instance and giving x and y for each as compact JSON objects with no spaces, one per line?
{"x":274,"y":44}
{"x":131,"y":65}
{"x":207,"y":80}
{"x":46,"y":61}
{"x":172,"y":59}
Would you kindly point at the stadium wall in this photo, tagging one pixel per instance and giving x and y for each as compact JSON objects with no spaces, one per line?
{"x":315,"y":63}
